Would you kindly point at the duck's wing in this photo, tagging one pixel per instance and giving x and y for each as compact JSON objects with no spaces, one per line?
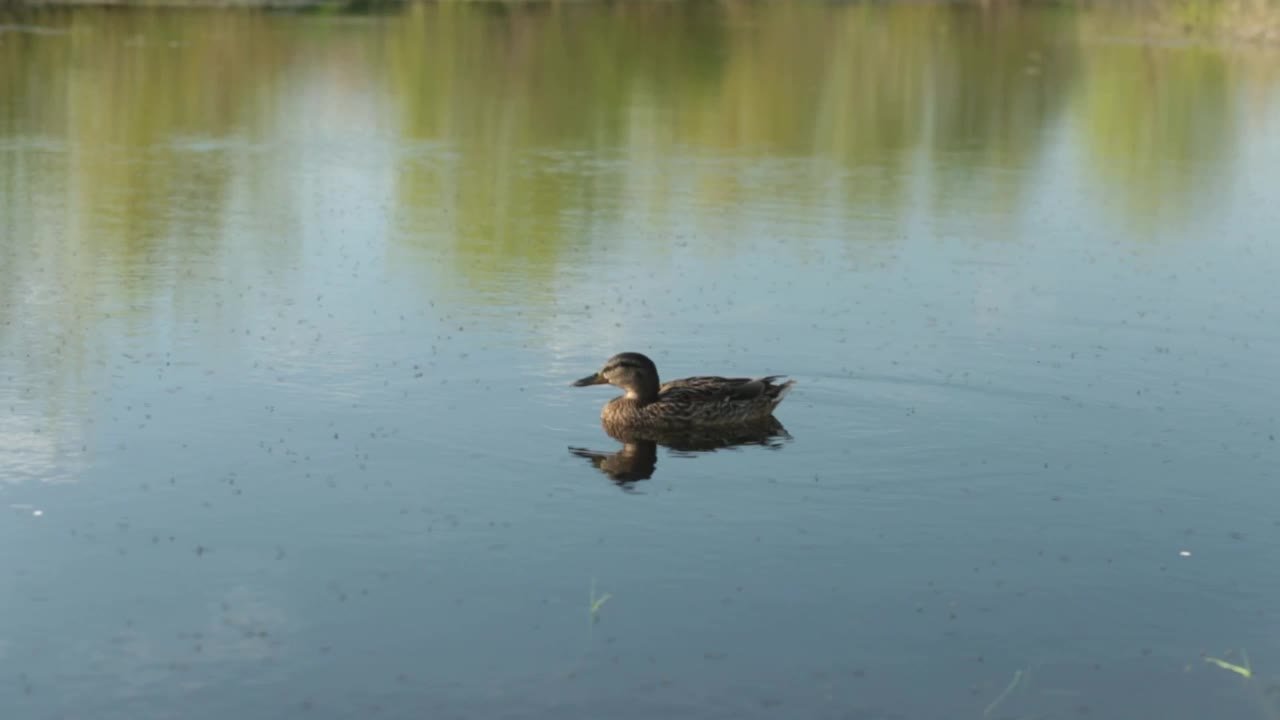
{"x":715,"y":389}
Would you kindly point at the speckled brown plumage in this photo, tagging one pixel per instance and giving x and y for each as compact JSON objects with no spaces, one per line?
{"x":703,"y":401}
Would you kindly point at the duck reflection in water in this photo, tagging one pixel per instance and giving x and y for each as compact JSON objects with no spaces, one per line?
{"x":638,"y":458}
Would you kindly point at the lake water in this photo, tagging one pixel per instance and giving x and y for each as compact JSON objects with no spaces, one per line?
{"x":290,"y":305}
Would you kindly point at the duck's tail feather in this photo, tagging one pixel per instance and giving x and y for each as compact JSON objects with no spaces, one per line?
{"x":779,"y":391}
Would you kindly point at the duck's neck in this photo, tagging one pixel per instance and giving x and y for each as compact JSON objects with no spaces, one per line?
{"x":642,"y":393}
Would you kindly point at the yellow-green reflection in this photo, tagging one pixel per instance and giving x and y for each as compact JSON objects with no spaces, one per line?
{"x":520,"y":107}
{"x":126,"y":141}
{"x":1215,"y":21}
{"x":503,"y":102}
{"x":518,"y":134}
{"x":109,"y":118}
{"x":513,"y":97}
{"x":1157,"y":124}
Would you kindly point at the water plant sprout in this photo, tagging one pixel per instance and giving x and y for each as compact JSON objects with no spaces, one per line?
{"x":1245,"y":670}
{"x":595,"y":603}
{"x":995,"y":703}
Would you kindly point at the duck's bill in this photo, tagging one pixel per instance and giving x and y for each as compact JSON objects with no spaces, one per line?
{"x":593,"y":379}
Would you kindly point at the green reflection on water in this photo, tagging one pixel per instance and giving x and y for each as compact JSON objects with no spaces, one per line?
{"x":146,"y":141}
{"x":1148,"y":128}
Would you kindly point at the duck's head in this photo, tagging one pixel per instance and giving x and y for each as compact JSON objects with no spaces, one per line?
{"x":630,"y":371}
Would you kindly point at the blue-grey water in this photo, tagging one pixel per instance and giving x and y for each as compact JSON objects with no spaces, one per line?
{"x":290,"y":305}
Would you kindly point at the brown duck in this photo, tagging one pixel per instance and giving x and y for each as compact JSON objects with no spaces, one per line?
{"x":689,"y":403}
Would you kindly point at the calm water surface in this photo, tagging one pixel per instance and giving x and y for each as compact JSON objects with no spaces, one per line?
{"x":289,"y":307}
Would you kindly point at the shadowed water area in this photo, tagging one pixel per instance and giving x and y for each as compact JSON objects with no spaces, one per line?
{"x":290,"y":306}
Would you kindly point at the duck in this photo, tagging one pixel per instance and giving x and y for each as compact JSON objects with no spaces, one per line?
{"x":685,"y":404}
